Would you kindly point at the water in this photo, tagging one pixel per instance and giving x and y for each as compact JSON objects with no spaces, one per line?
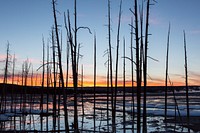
{"x":25,"y":115}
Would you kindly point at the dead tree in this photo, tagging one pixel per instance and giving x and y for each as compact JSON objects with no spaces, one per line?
{"x":47,"y":84}
{"x":117,"y":56}
{"x":27,"y":66}
{"x":124,"y":91}
{"x":13,"y":79}
{"x":48,"y":76}
{"x":94,"y":83}
{"x":132,"y":75}
{"x":73,"y":47}
{"x":136,"y":27}
{"x":75,"y":73}
{"x":43,"y":72}
{"x":3,"y":102}
{"x":67,"y":65}
{"x":111,"y":72}
{"x":145,"y":67}
{"x":186,"y":82}
{"x":72,"y":38}
{"x":108,"y":92}
{"x":61,"y":78}
{"x":82,"y":100}
{"x":54,"y":79}
{"x":166,"y":76}
{"x":42,"y":89}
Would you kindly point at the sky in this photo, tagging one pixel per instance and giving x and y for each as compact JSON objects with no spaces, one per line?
{"x":24,"y":23}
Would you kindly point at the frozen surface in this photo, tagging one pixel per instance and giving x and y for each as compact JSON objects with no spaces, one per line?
{"x":30,"y":117}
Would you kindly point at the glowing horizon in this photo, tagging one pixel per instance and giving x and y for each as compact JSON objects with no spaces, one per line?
{"x":88,"y":82}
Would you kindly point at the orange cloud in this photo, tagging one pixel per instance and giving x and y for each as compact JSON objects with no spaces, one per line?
{"x":88,"y":81}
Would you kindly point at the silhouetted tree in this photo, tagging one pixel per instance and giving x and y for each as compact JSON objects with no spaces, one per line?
{"x":117,"y":56}
{"x":61,"y":78}
{"x":124,"y":90}
{"x":43,"y":72}
{"x":110,"y":65}
{"x":3,"y":102}
{"x":13,"y":79}
{"x":145,"y":67}
{"x":82,"y":100}
{"x":166,"y":76}
{"x":138,"y":76}
{"x":186,"y":82}
{"x":108,"y":91}
{"x":132,"y":76}
{"x":54,"y":80}
{"x":94,"y":82}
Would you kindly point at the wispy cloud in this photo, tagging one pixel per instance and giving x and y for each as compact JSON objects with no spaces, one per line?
{"x":34,"y":61}
{"x":2,"y":57}
{"x":194,"y":77}
{"x":126,"y":19}
{"x":154,"y":21}
{"x":157,"y":80}
{"x":194,"y":74}
{"x":195,"y":31}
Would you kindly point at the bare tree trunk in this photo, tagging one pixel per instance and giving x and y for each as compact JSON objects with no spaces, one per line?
{"x":108,"y":91}
{"x":186,"y":83}
{"x":6,"y":65}
{"x":67,"y":71}
{"x":54,"y":84}
{"x":13,"y":79}
{"x":75,"y":60}
{"x":67,"y":67}
{"x":75,"y":73}
{"x":42,"y":89}
{"x":176,"y":104}
{"x":73,"y":55}
{"x":145,"y":67}
{"x":47,"y":87}
{"x":132,"y":76}
{"x":59,"y":101}
{"x":142,"y":63}
{"x":27,"y":66}
{"x":3,"y":103}
{"x":74,"y":65}
{"x":21,"y":95}
{"x":83,"y":112}
{"x":124,"y":91}
{"x":43,"y":72}
{"x":117,"y":56}
{"x":94,"y":83}
{"x":111,"y":80}
{"x":138,"y":69}
{"x":166,"y":76}
{"x":31,"y":98}
{"x":60,"y":68}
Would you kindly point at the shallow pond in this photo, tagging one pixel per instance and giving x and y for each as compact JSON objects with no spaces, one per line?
{"x":25,"y":113}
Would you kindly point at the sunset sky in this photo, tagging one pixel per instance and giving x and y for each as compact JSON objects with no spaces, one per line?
{"x":24,"y":22}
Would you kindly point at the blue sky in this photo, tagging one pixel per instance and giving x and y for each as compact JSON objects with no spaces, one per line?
{"x":23,"y":23}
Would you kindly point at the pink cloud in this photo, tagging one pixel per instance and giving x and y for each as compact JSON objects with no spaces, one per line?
{"x":126,"y":19}
{"x":154,"y":21}
{"x":196,"y":31}
{"x":2,"y":57}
